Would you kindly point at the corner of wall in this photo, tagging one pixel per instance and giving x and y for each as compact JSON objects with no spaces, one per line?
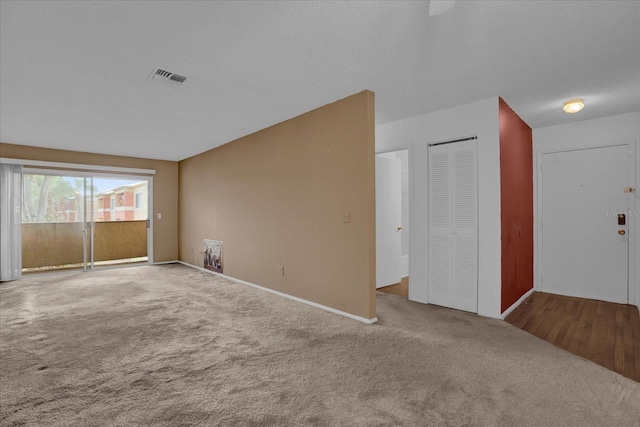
{"x":293,"y":204}
{"x":516,"y":194}
{"x":371,"y":172}
{"x":481,"y":119}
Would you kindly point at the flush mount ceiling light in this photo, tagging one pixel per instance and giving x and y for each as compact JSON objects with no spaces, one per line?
{"x":573,"y":106}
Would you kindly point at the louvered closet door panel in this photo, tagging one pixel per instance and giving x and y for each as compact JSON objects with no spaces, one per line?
{"x":453,"y":225}
{"x":440,"y":226}
{"x":465,"y":227}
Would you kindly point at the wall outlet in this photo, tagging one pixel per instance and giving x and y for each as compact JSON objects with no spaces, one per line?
{"x":281,"y":270}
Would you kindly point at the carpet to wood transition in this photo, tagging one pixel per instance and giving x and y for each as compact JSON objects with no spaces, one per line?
{"x":603,"y":332}
{"x":174,"y":346}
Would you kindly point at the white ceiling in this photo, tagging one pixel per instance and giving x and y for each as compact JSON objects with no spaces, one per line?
{"x":73,"y":75}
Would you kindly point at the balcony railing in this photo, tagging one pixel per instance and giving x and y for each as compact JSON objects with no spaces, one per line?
{"x":60,"y":244}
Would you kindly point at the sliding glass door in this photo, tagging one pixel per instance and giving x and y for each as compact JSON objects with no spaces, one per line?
{"x":119,"y":221}
{"x":53,"y":222}
{"x":82,"y":222}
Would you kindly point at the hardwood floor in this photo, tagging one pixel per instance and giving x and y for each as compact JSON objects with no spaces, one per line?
{"x":401,"y":288}
{"x":603,"y":332}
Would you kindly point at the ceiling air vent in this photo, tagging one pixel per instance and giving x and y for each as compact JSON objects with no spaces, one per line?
{"x":167,"y":76}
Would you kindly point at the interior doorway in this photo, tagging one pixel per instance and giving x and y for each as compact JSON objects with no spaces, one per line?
{"x":80,"y":221}
{"x":392,"y":222}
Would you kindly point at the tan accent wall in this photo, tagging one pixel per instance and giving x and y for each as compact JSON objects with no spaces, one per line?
{"x":165,"y":187}
{"x":281,"y":196}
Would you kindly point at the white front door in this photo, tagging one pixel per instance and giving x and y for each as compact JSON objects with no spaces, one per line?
{"x":388,"y":217}
{"x":585,"y":251}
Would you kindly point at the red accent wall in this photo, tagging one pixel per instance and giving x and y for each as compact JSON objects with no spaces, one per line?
{"x":516,"y":182}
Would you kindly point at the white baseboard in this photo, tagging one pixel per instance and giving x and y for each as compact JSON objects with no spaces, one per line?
{"x":517,"y":303}
{"x":489,"y":315}
{"x":166,"y":262}
{"x":291,"y":297}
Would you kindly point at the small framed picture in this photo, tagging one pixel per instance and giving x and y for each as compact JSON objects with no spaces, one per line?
{"x":213,"y":255}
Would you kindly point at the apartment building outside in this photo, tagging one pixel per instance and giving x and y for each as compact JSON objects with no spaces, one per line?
{"x":123,"y":203}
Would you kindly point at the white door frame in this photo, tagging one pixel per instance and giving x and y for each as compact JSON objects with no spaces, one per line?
{"x":633,"y":206}
{"x":409,"y":213}
{"x":388,"y":217}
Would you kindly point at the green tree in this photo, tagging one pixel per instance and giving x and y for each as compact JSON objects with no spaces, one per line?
{"x":43,"y":196}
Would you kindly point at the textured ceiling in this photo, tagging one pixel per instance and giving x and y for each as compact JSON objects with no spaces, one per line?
{"x":73,"y":75}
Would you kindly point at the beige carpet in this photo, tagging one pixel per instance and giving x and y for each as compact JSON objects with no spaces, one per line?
{"x":172,"y":346}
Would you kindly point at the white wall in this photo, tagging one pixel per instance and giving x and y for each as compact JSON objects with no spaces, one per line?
{"x":479,"y":119}
{"x":592,"y":133}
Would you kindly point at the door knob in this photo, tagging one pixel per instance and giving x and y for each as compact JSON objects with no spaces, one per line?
{"x":629,"y":189}
{"x":400,"y":227}
{"x":622,"y":232}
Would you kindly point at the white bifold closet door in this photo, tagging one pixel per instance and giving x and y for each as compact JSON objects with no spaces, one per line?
{"x":453,"y":225}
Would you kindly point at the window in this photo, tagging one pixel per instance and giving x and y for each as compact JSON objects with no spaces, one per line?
{"x":138,"y":204}
{"x":112,"y":204}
